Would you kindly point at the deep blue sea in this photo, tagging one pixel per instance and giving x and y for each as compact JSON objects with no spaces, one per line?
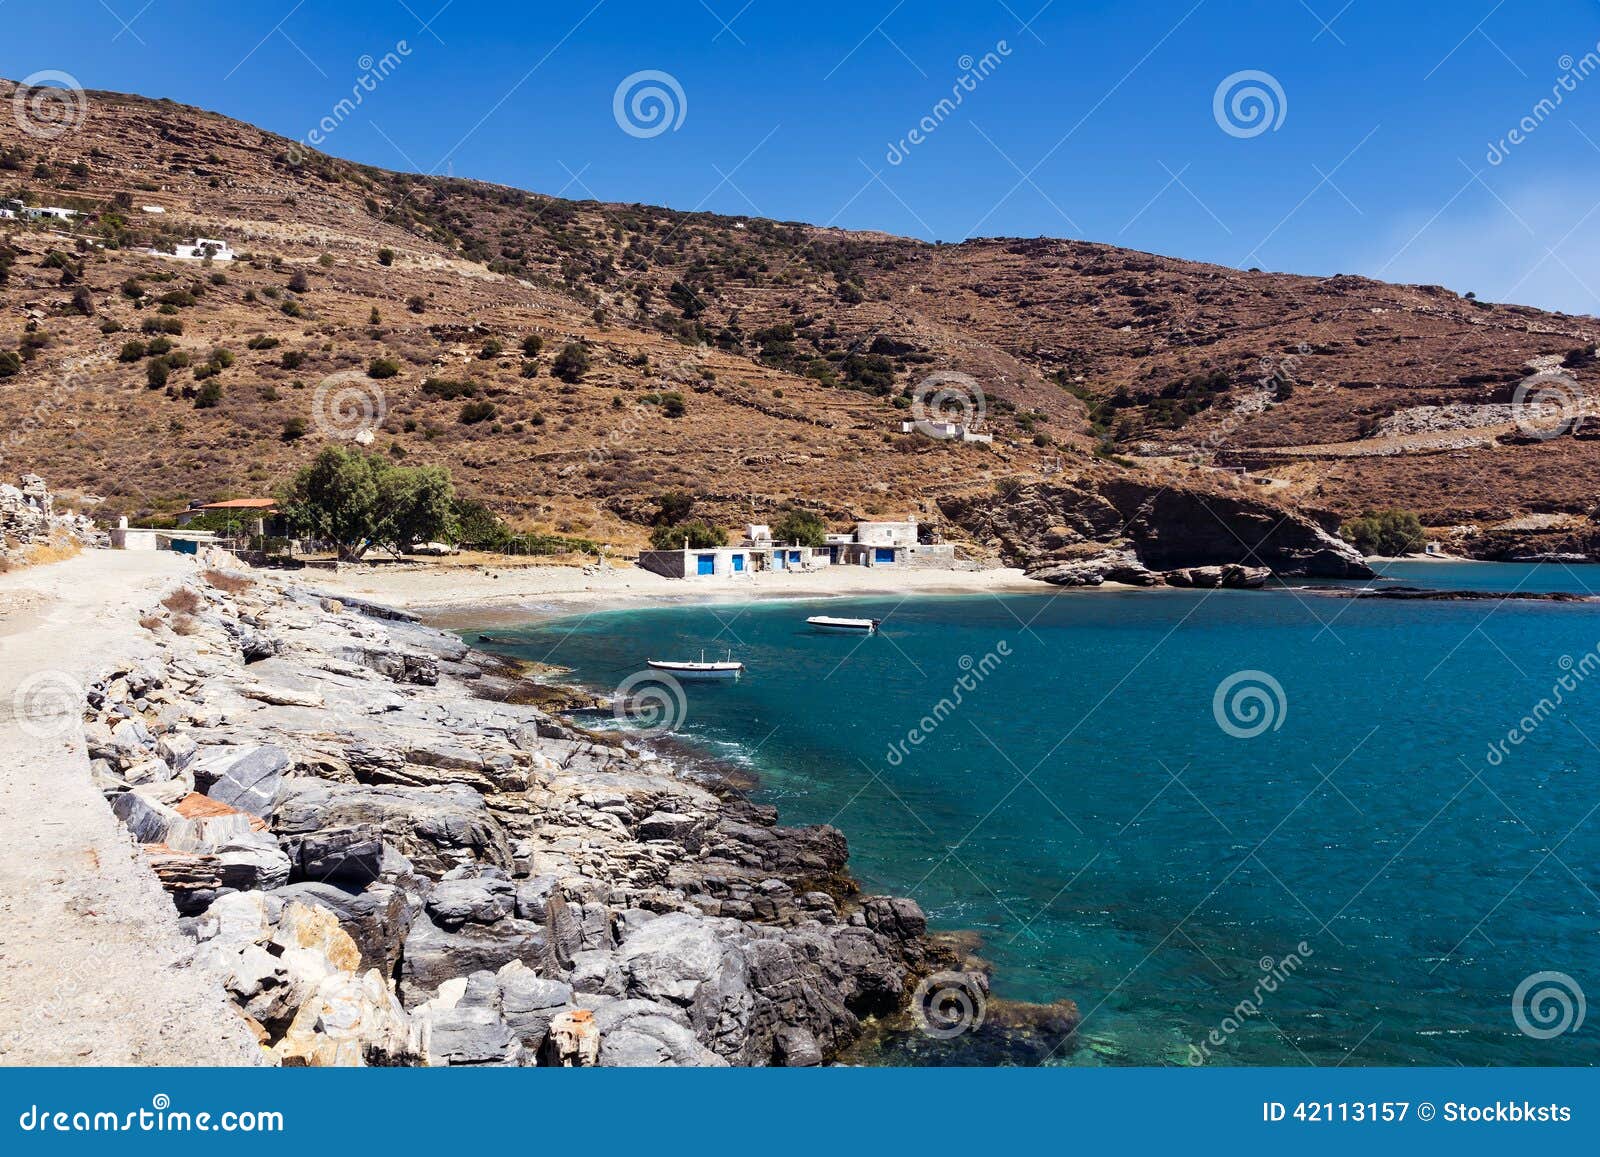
{"x":1341,"y":820}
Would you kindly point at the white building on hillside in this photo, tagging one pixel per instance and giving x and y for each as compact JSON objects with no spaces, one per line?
{"x":204,"y":247}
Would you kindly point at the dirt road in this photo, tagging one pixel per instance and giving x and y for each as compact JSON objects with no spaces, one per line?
{"x":95,"y":971}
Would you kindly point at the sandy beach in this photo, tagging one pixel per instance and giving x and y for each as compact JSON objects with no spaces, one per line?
{"x":473,"y":593}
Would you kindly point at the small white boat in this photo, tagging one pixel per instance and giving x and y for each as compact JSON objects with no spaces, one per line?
{"x":728,"y":668}
{"x":844,"y":626}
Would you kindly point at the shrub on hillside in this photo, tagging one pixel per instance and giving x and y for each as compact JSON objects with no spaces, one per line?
{"x":571,"y":363}
{"x":381,"y":368}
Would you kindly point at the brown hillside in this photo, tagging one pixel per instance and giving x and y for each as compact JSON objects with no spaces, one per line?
{"x":789,"y":354}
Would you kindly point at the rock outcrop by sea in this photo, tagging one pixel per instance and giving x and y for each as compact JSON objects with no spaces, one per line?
{"x":1088,"y":532}
{"x":386,"y":859}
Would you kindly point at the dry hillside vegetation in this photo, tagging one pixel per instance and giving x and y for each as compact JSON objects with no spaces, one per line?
{"x":750,"y":362}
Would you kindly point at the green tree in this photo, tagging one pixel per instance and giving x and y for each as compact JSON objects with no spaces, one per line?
{"x":699,"y":536}
{"x":1386,"y":532}
{"x":481,"y":527}
{"x":672,"y":508}
{"x":804,"y":527}
{"x":571,"y":363}
{"x":360,"y":501}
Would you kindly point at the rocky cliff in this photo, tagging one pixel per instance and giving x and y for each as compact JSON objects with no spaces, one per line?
{"x":1129,"y":529}
{"x":386,"y":859}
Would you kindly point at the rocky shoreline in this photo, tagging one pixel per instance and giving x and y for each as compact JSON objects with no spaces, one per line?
{"x":386,"y":856}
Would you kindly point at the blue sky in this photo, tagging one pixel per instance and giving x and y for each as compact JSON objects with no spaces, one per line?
{"x":1095,"y":119}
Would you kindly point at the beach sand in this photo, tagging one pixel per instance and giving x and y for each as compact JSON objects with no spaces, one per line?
{"x":454,"y":593}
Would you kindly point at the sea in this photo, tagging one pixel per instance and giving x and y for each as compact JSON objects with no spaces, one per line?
{"x":1234,"y":827}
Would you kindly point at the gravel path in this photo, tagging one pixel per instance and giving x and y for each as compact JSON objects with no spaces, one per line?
{"x":95,"y":970}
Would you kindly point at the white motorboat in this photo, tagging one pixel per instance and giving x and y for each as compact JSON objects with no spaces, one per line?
{"x":729,"y":668}
{"x":844,"y":626}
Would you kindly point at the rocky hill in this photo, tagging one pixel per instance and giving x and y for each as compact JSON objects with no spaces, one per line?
{"x":750,"y":362}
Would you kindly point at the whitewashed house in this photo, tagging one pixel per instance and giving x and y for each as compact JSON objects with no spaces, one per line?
{"x":204,"y":247}
{"x":48,"y":213}
{"x":946,"y":431}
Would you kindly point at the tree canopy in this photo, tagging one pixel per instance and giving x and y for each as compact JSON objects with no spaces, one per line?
{"x":361,"y":501}
{"x":1386,"y":532}
{"x":801,"y":527}
{"x":700,"y":536}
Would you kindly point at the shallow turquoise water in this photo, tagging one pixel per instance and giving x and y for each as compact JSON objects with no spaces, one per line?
{"x":1084,"y":810}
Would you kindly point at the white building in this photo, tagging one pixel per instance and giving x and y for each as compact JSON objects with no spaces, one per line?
{"x":204,"y":247}
{"x":48,"y":212}
{"x":946,"y":431}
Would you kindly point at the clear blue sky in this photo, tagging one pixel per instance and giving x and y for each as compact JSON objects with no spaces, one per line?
{"x":1096,"y":121}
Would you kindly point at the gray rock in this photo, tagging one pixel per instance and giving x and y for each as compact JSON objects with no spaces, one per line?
{"x":351,"y":857}
{"x":246,"y":778}
{"x":453,"y":903}
{"x":438,"y":828}
{"x":597,"y":971}
{"x":528,"y":1002}
{"x":147,"y":771}
{"x":252,"y":862}
{"x":178,"y":750}
{"x":796,"y":1047}
{"x":680,"y":829}
{"x":643,"y":1033}
{"x":433,"y":955}
{"x":147,"y":821}
{"x":378,"y":918}
{"x":472,"y":1036}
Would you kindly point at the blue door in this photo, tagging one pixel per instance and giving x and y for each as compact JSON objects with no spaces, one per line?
{"x":777,"y":560}
{"x":707,"y":564}
{"x":738,"y":564}
{"x":882,"y":554}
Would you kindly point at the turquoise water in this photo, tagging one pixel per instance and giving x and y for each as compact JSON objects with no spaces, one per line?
{"x":1085,"y":811}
